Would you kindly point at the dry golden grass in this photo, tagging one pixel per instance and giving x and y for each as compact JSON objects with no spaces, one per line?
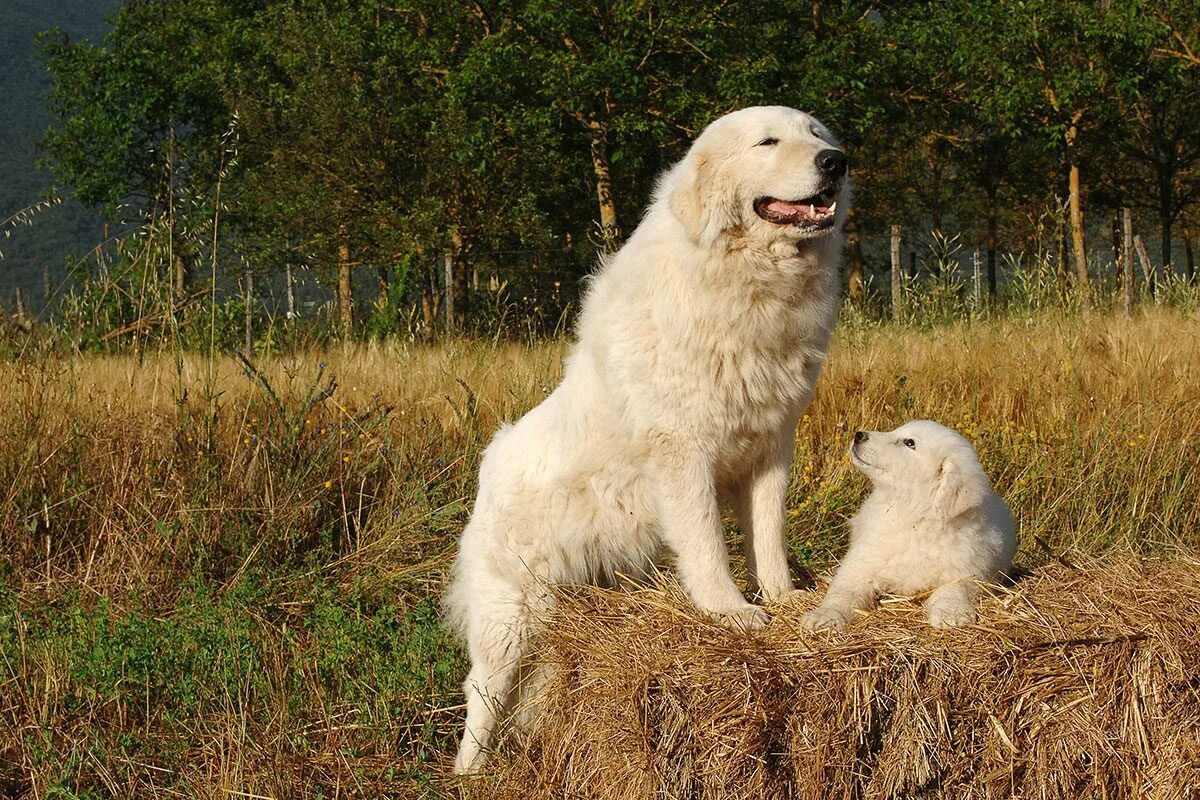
{"x":284,"y":531}
{"x":1088,"y":426}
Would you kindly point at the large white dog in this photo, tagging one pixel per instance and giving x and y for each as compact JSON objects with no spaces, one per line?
{"x":933,"y":524}
{"x":699,"y":345}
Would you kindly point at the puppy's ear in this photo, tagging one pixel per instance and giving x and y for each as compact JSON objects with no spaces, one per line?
{"x":962,"y":486}
{"x":705,"y":207}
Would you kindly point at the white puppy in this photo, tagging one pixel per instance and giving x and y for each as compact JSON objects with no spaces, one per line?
{"x":699,"y":345}
{"x":933,"y":523}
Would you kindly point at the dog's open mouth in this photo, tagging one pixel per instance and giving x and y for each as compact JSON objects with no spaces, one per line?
{"x":813,"y":213}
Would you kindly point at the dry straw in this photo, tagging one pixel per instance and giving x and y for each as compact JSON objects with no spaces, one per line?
{"x":1081,"y":681}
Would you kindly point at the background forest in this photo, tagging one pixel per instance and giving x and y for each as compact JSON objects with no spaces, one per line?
{"x":460,"y":164}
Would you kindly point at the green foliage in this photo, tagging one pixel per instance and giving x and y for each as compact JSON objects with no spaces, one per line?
{"x":158,"y":680}
{"x":377,"y":134}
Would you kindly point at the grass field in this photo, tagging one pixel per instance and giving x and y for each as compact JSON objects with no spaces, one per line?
{"x":221,"y":582}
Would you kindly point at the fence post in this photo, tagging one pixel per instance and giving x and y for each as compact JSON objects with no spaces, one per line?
{"x":291,"y":294}
{"x":976,"y":275}
{"x":1147,"y":267}
{"x":448,"y":269}
{"x":897,"y":297}
{"x":249,"y":311}
{"x":1127,"y":259}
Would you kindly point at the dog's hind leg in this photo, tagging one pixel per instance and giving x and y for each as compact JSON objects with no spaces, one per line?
{"x":497,"y":640}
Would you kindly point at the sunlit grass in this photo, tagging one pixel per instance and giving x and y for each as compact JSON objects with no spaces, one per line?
{"x":155,"y":508}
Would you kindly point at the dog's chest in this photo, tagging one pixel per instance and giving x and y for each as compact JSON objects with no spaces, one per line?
{"x":753,"y":379}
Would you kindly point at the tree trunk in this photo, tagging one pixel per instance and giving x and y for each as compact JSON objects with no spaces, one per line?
{"x":430,"y":299}
{"x":1081,"y":271}
{"x":856,"y":283}
{"x":1166,"y":203}
{"x":1062,"y":270}
{"x":993,"y":237}
{"x":897,"y":287}
{"x":610,"y":233}
{"x":383,"y":284}
{"x":1189,"y":256}
{"x":345,"y":294}
{"x":461,"y":283}
{"x":1127,"y":260}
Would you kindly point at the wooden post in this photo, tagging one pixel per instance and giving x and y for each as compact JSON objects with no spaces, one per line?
{"x":897,"y":297}
{"x":248,"y":287}
{"x":1147,"y":267}
{"x":1127,"y":259}
{"x":975,"y":265}
{"x":448,"y":271}
{"x":20,"y":305}
{"x":291,"y":294}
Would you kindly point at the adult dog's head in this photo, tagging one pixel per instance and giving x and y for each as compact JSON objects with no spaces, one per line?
{"x":767,"y":173}
{"x":923,"y":465}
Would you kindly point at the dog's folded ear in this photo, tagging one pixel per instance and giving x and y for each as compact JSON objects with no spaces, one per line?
{"x":703,"y":206}
{"x":962,"y":486}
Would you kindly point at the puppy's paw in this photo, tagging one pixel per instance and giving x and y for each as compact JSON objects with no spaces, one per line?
{"x":743,"y":618}
{"x":824,"y":618}
{"x":951,"y":616}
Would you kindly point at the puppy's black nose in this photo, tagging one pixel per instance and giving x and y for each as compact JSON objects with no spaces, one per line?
{"x":832,"y":163}
{"x":860,"y":436}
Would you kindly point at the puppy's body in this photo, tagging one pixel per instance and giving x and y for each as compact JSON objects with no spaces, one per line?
{"x":931,"y":524}
{"x":699,"y":346}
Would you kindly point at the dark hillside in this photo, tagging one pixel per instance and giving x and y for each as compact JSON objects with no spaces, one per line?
{"x":68,"y":228}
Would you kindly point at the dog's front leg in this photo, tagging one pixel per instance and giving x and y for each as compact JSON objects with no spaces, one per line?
{"x":686,"y":499}
{"x":953,"y":604}
{"x":760,"y":503}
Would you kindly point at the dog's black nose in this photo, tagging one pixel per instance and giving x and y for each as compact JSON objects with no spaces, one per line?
{"x":860,"y":436}
{"x":832,"y":163}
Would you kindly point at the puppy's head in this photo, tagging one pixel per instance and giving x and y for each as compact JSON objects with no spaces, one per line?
{"x":767,"y":172}
{"x":925,"y":464}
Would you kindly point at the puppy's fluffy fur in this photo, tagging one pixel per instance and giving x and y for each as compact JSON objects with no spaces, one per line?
{"x":932,"y":523}
{"x":699,"y":344}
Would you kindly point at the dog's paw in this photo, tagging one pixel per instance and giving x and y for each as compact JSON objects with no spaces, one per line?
{"x":823,"y":618}
{"x":951,"y":616}
{"x":744,"y":618}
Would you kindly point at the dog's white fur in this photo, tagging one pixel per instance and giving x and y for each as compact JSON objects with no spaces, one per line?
{"x":932,"y":523}
{"x":699,"y":344}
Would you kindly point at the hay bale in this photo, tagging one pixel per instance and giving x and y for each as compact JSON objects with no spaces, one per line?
{"x":1081,"y":681}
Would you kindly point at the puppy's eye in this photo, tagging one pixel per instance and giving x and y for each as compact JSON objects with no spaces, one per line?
{"x":768,"y":142}
{"x":910,"y":444}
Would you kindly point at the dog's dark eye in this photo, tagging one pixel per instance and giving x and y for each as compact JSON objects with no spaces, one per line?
{"x":770,"y":140}
{"x":910,"y":444}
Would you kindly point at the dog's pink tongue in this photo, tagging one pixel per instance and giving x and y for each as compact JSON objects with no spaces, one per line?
{"x":783,"y":208}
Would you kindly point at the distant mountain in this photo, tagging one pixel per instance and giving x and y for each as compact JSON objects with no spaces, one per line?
{"x":68,"y":228}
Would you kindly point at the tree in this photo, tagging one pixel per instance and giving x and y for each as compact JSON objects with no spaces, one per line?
{"x":139,"y":119}
{"x":1160,"y":99}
